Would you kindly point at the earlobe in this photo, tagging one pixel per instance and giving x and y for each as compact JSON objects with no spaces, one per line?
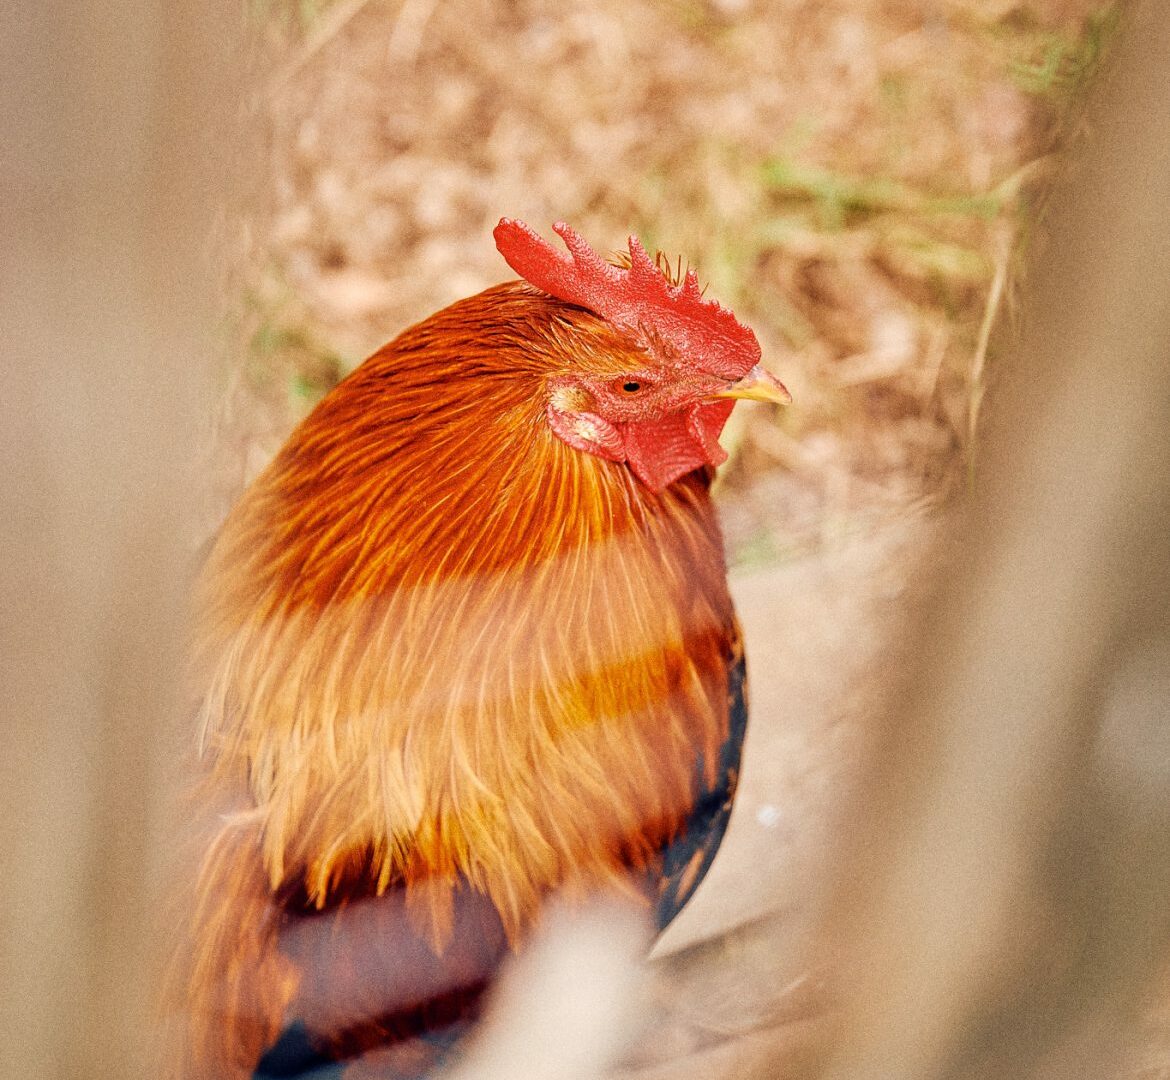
{"x":588,"y":432}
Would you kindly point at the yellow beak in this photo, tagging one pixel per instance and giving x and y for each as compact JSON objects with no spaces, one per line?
{"x":757,"y":385}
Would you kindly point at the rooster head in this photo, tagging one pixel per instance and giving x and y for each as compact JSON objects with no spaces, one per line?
{"x":657,"y":396}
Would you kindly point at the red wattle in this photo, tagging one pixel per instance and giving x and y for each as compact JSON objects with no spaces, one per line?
{"x":662,"y":451}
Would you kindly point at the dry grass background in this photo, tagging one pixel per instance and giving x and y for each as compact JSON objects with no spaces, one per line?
{"x":855,"y":178}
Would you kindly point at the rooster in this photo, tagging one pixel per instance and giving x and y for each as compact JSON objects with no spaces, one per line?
{"x":466,"y":643}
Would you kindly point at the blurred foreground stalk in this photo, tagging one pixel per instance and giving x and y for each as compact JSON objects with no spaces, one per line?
{"x":1006,"y":906}
{"x":108,"y":176}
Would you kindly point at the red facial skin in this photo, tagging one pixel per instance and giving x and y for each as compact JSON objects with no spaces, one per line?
{"x":663,"y":423}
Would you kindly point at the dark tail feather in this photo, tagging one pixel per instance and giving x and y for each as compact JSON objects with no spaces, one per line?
{"x":374,"y":996}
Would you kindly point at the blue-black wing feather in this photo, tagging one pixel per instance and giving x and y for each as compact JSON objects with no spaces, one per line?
{"x":687,"y":858}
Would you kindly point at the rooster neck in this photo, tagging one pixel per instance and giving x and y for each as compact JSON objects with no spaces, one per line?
{"x":435,"y":461}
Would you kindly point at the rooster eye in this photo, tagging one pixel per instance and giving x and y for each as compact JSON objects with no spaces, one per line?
{"x":631,"y":387}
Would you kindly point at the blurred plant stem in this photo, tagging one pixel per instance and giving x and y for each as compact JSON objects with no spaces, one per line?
{"x":114,"y":166}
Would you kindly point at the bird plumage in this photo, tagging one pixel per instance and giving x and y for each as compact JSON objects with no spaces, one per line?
{"x":447,"y":665}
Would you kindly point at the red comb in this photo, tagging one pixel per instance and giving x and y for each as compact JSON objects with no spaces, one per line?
{"x":639,"y":298}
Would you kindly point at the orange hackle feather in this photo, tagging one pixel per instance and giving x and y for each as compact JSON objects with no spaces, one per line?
{"x":436,"y":644}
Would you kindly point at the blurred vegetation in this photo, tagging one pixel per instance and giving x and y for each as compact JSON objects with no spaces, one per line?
{"x":284,"y":354}
{"x":1060,"y":64}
